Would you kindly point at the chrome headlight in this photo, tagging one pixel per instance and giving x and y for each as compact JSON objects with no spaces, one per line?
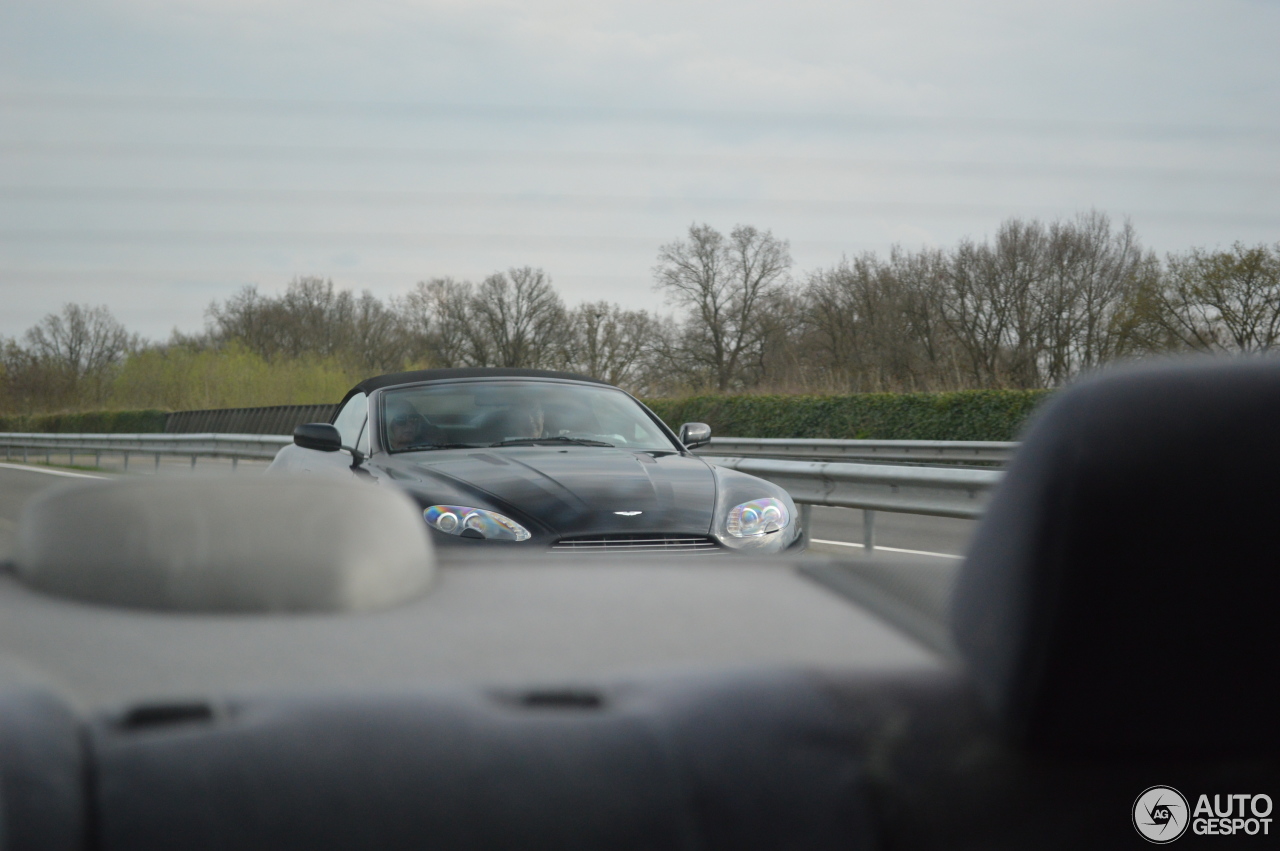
{"x":474,"y":523}
{"x":757,"y":518}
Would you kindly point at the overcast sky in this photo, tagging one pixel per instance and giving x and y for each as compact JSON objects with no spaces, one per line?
{"x":158,"y":154}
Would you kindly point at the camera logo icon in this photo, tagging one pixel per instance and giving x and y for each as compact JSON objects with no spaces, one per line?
{"x":1160,"y":814}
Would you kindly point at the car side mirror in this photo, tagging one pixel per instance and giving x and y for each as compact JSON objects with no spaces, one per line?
{"x":319,"y":436}
{"x":693,"y":435}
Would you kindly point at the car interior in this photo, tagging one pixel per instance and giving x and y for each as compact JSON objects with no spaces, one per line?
{"x":274,"y":663}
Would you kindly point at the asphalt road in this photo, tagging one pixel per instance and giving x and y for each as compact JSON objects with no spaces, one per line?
{"x":936,"y":537}
{"x":16,"y":487}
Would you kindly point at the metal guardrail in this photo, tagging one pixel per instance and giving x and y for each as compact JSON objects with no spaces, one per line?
{"x":236,"y":447}
{"x":277,"y":419}
{"x":222,"y":445}
{"x":925,"y":451}
{"x":938,"y":491}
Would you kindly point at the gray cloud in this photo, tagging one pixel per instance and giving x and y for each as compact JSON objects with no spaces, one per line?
{"x":156,"y":155}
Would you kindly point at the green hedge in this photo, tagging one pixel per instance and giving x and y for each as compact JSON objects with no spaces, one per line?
{"x":89,"y":422}
{"x":964,"y":415}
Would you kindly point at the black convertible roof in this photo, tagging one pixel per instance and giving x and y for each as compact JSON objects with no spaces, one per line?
{"x":414,"y":376}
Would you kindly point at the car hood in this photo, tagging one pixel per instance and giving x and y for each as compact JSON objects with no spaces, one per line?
{"x":568,"y":490}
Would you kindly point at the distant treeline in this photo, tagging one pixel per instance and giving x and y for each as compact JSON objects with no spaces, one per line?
{"x":1029,"y":308}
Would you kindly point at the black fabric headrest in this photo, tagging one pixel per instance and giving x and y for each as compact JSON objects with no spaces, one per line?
{"x":1122,"y":592}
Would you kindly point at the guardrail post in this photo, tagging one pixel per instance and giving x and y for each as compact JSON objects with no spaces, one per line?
{"x":234,"y":462}
{"x":71,"y":457}
{"x":48,"y":457}
{"x":868,"y":529}
{"x":157,"y":461}
{"x":97,"y":458}
{"x":806,"y":512}
{"x":193,"y":462}
{"x":126,"y":461}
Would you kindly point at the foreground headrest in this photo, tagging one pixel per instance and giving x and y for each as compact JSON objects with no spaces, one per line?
{"x":243,"y":544}
{"x":1121,"y":591}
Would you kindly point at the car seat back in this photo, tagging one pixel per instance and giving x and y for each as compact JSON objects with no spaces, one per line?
{"x":1120,"y":593}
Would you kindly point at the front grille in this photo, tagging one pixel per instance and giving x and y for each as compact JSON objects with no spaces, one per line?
{"x":639,"y":544}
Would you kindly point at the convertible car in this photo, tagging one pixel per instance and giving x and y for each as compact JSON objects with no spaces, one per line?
{"x":538,"y":459}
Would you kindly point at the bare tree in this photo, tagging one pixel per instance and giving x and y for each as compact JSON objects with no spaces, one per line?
{"x":783,"y":364}
{"x":994,"y":304}
{"x":437,"y":315}
{"x":1093,"y":279}
{"x":23,"y":385}
{"x":876,"y":325}
{"x":1033,"y":307}
{"x":837,"y":341}
{"x":519,"y":319}
{"x":312,"y":318}
{"x":379,"y":340}
{"x":610,"y":343}
{"x":724,"y":284}
{"x":76,"y":352}
{"x":919,"y":280}
{"x":248,"y":317}
{"x":1226,"y":301}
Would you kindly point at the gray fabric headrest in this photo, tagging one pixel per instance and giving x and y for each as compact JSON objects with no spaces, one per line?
{"x":240,"y":544}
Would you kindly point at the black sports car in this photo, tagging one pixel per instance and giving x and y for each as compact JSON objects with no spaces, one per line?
{"x":538,"y":459}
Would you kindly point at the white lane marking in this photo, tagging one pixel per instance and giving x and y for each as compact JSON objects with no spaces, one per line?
{"x":886,"y":549}
{"x":50,"y":472}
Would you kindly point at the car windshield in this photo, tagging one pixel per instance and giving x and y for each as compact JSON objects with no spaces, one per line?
{"x":516,"y":413}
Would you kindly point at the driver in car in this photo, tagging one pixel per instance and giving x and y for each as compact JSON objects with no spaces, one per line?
{"x":409,"y":428}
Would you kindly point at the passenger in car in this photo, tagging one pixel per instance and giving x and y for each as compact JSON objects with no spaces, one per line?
{"x":526,"y":419}
{"x":409,"y":428}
